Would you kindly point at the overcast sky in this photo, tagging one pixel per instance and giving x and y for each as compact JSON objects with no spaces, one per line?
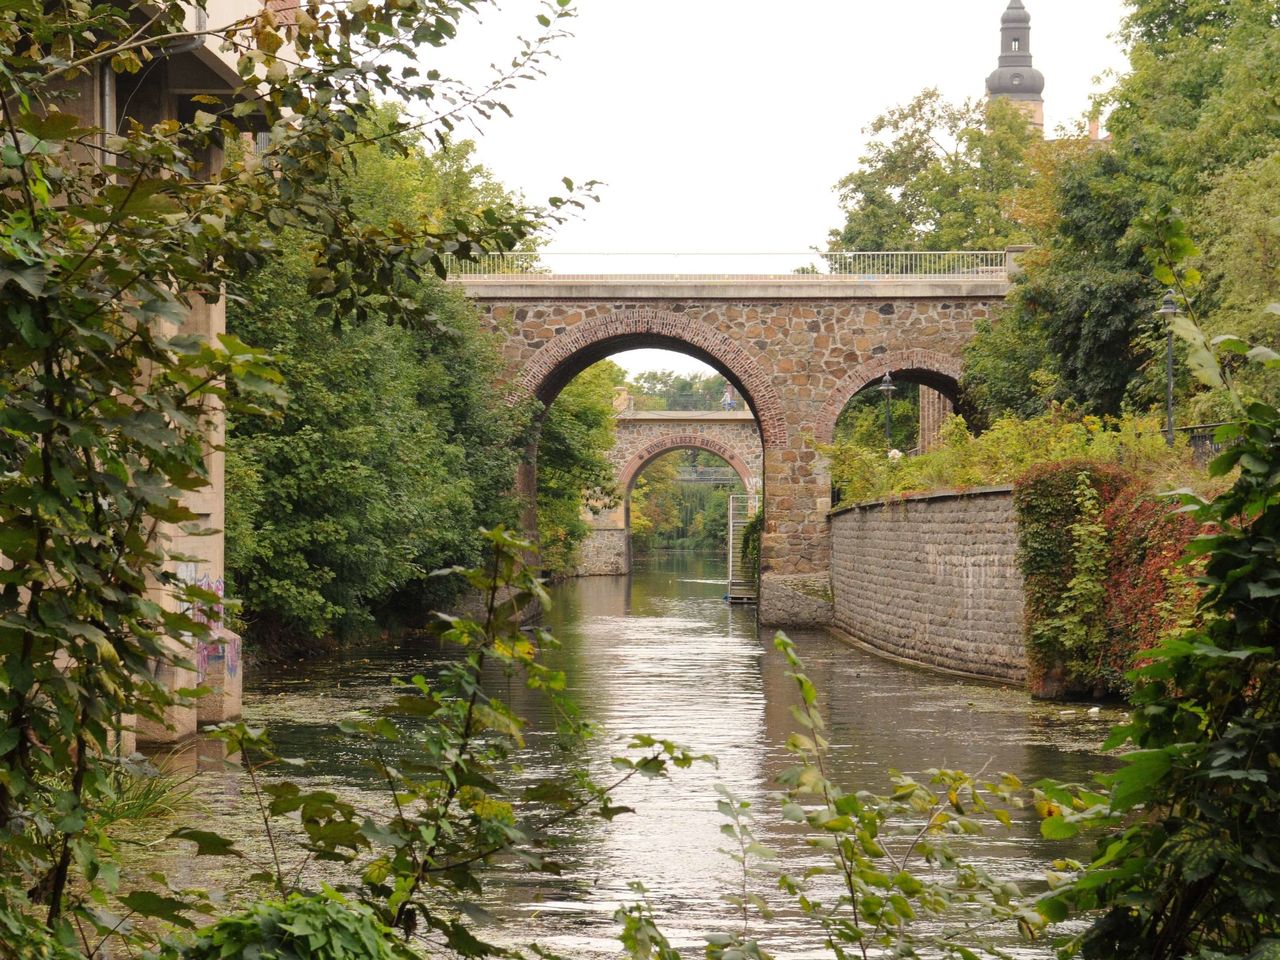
{"x":721,"y":126}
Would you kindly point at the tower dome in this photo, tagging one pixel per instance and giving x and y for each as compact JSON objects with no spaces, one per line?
{"x":1015,"y":78}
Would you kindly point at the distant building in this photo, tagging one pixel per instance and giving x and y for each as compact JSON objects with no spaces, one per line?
{"x":1015,"y":79}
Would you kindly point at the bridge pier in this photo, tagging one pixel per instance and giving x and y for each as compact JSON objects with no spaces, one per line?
{"x":935,"y":408}
{"x":795,"y":546}
{"x":607,"y":550}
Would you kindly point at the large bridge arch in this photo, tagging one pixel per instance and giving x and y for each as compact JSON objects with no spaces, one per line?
{"x":571,"y":350}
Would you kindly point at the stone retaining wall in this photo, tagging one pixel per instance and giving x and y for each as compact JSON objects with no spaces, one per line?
{"x":933,"y":580}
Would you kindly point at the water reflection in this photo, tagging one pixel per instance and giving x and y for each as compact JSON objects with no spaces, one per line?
{"x":660,"y":652}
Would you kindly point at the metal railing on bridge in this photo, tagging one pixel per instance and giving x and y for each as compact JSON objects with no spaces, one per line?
{"x":880,"y":266}
{"x":721,"y":476}
{"x":1202,"y":440}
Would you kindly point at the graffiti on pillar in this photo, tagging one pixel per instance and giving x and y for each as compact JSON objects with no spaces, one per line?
{"x":220,"y":648}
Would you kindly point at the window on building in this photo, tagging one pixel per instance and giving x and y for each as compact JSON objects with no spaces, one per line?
{"x":1017,"y":44}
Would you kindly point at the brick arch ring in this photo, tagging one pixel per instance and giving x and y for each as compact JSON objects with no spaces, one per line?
{"x":634,"y":466}
{"x":930,"y":368}
{"x":565,"y":355}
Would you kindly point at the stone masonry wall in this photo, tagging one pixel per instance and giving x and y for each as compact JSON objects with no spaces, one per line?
{"x":933,"y":580}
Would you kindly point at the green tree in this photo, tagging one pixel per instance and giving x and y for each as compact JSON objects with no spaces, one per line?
{"x":1189,"y":865}
{"x":575,"y":475}
{"x":1196,"y":108}
{"x":937,"y":176}
{"x":667,"y":390}
{"x":392,"y":452}
{"x":1009,"y":369}
{"x":1240,"y":233}
{"x":670,"y":513}
{"x":862,"y":422}
{"x":109,"y":238}
{"x":385,"y":464}
{"x":1089,"y":294}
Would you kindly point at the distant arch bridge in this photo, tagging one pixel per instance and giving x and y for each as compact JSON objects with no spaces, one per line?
{"x":644,"y":436}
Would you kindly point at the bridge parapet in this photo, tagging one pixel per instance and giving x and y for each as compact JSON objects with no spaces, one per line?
{"x":844,"y":267}
{"x":774,"y":276}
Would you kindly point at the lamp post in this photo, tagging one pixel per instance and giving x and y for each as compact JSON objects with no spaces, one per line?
{"x":888,"y":388}
{"x":1169,"y":310}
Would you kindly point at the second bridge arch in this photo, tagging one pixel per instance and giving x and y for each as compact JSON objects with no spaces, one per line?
{"x":641,"y":438}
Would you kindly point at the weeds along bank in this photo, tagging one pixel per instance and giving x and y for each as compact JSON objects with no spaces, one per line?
{"x":1059,"y":576}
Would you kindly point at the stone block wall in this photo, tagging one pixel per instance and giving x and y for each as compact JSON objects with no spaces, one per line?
{"x":933,"y":580}
{"x":604,"y":553}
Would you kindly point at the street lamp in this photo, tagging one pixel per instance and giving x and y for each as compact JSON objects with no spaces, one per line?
{"x":888,"y":388}
{"x":1169,"y":310}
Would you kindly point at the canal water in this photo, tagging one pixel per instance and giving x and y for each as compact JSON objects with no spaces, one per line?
{"x":659,"y":652}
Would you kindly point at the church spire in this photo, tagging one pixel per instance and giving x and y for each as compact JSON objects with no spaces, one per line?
{"x":1015,"y":78}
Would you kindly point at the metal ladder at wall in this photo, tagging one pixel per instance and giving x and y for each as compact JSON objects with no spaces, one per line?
{"x":742,"y":584}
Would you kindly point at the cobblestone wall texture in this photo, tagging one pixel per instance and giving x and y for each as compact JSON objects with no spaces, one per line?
{"x":604,"y":553}
{"x":933,"y":580}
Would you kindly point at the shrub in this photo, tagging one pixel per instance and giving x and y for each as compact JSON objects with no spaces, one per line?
{"x":1148,"y":591}
{"x":300,"y":928}
{"x":1048,"y":500}
{"x":1002,"y":454}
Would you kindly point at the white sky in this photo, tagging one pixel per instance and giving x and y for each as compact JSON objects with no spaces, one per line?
{"x":721,"y":126}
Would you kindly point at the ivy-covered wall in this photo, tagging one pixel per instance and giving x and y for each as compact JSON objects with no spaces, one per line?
{"x":1059,"y":582}
{"x":1098,"y":552}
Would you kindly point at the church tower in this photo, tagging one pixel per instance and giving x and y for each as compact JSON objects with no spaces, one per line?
{"x":1015,"y":78}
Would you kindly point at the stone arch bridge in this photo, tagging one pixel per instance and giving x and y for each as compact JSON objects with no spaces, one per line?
{"x":644,"y":436}
{"x":796,"y":346}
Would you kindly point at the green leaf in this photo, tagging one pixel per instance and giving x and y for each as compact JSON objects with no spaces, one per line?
{"x":161,"y":907}
{"x":1053,"y":909}
{"x":52,"y":125}
{"x":1136,"y":781}
{"x":1058,"y":827}
{"x":208,"y":844}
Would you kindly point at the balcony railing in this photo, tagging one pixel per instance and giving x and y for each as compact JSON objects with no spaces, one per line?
{"x":877,"y":266}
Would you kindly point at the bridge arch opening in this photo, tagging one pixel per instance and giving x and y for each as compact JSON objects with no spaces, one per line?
{"x":933,"y":379}
{"x":572,"y":351}
{"x":631,"y":471}
{"x":678,"y":496}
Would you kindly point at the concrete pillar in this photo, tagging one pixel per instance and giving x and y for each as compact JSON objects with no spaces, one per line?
{"x":935,"y":408}
{"x":217,"y":659}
